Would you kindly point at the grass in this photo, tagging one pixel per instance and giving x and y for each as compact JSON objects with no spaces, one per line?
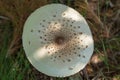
{"x":15,"y":68}
{"x":18,"y":67}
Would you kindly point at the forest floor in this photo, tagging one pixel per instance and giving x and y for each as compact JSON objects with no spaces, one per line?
{"x":104,"y":64}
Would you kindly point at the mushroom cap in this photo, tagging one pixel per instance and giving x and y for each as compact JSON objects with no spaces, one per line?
{"x":57,"y":40}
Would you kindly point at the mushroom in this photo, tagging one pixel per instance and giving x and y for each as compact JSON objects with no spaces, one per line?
{"x":57,"y":40}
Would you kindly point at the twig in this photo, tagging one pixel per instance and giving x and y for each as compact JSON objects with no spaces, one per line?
{"x":3,"y":17}
{"x":85,"y":74}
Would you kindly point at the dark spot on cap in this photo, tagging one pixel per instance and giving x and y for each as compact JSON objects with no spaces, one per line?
{"x":63,"y":14}
{"x":51,"y":47}
{"x":55,"y":22}
{"x":78,"y":47}
{"x":75,"y":53}
{"x":78,"y":42}
{"x":49,"y":22}
{"x":31,"y":30}
{"x":78,"y":26}
{"x":59,"y":56}
{"x":42,"y":42}
{"x":40,"y":37}
{"x":75,"y":37}
{"x":73,"y":48}
{"x":54,"y":15}
{"x":75,"y":34}
{"x":83,"y":56}
{"x":46,"y":46}
{"x":80,"y":33}
{"x":48,"y":52}
{"x":70,"y":68}
{"x":63,"y":19}
{"x":29,"y":42}
{"x":86,"y":46}
{"x":69,"y":60}
{"x":62,"y":54}
{"x":38,"y":30}
{"x":74,"y":27}
{"x":62,"y":24}
{"x":71,"y":25}
{"x":43,"y":20}
{"x":43,"y":26}
{"x":68,"y":20}
{"x":70,"y":53}
{"x":55,"y":56}
{"x":79,"y":55}
{"x":63,"y":60}
{"x":73,"y":21}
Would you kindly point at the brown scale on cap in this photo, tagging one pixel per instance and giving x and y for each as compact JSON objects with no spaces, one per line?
{"x":31,"y":30}
{"x":39,"y":31}
{"x":79,"y":55}
{"x":54,"y":15}
{"x":65,"y":38}
{"x":40,"y":37}
{"x":44,"y":20}
{"x":59,"y":40}
{"x":70,"y":68}
{"x":78,"y":26}
{"x":83,"y":56}
{"x":29,"y":42}
{"x":69,"y":60}
{"x":80,"y":33}
{"x":63,"y":14}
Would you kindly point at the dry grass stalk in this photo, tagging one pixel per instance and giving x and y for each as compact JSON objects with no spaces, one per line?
{"x":18,"y":11}
{"x":94,"y":22}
